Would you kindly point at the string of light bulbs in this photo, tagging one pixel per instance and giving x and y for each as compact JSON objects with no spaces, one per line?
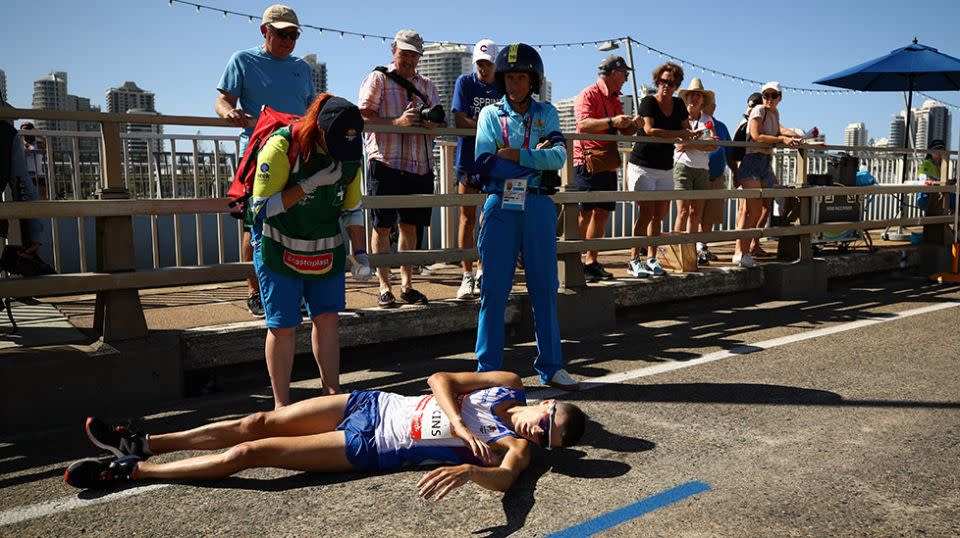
{"x":553,"y":46}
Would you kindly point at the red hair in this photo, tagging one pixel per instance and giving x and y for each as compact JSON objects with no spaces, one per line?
{"x":307,"y":132}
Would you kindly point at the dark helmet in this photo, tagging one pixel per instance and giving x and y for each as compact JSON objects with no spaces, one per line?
{"x":519,"y":58}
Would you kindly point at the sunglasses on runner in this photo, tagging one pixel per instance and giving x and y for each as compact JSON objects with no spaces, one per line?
{"x":546,"y":423}
{"x":287,"y":34}
{"x":771,"y":96}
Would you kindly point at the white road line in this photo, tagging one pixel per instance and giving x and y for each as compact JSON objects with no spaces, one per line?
{"x":24,"y":513}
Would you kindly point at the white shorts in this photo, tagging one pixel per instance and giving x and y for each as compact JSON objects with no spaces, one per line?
{"x":641,"y":178}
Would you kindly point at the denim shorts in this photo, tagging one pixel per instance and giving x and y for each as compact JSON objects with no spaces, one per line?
{"x":758,"y":166}
{"x":361,"y":418}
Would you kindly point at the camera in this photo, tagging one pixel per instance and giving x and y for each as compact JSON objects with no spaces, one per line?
{"x":433,"y":113}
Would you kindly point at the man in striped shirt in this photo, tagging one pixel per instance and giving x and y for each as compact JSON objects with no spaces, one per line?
{"x":399,"y":163}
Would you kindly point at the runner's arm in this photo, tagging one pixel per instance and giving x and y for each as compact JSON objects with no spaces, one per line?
{"x":437,"y":483}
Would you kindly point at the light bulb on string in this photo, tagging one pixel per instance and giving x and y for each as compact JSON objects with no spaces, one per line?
{"x":198,"y":10}
{"x":363,"y":37}
{"x":341,"y":35}
{"x":224,"y":15}
{"x":170,"y":3}
{"x":250,"y":19}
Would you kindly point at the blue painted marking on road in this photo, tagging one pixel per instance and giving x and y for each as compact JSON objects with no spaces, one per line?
{"x":633,"y":511}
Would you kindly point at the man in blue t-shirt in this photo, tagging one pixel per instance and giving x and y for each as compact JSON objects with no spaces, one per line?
{"x":471,"y":93}
{"x":720,"y":158}
{"x":265,"y":75}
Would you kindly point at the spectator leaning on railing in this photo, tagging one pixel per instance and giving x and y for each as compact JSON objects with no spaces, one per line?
{"x":691,"y":163}
{"x":598,"y":110}
{"x":299,"y":248}
{"x":471,"y":93}
{"x":651,"y":165}
{"x":756,"y":169}
{"x":720,"y":158}
{"x":265,"y":75}
{"x":399,"y":163}
{"x":519,"y":150}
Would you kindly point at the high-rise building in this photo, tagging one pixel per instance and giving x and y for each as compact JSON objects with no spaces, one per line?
{"x":897,"y":136}
{"x":131,"y":99}
{"x":3,"y":85}
{"x":319,"y":72}
{"x":546,"y":93}
{"x":443,"y":63}
{"x":933,"y":123}
{"x":855,"y":135}
{"x":568,"y":122}
{"x":89,"y":147}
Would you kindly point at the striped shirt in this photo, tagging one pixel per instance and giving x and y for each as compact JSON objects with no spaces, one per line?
{"x":408,"y":153}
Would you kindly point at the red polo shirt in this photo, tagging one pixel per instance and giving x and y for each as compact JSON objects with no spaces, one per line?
{"x":595,"y":101}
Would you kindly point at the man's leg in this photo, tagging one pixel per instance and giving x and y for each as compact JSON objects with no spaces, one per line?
{"x":467,"y":224}
{"x":380,"y":243}
{"x":325,"y":452}
{"x":309,"y":417}
{"x":325,"y":340}
{"x":407,"y":242}
{"x":596,"y":229}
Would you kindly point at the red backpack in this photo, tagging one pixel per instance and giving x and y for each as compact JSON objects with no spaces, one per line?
{"x":267,"y":123}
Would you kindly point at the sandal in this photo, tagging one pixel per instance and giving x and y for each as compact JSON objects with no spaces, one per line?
{"x":387,"y":300}
{"x":412,"y":296}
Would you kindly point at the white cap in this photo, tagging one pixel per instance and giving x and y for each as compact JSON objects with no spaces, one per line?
{"x":772,"y":85}
{"x":485,"y":49}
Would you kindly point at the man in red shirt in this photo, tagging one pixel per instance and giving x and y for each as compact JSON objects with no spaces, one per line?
{"x":598,"y":110}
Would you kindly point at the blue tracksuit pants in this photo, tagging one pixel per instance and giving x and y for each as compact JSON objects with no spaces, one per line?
{"x":502,"y":235}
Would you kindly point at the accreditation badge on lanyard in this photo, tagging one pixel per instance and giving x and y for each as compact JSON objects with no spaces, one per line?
{"x":515,"y":190}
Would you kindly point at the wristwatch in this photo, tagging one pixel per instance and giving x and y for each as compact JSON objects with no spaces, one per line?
{"x":610,"y":123}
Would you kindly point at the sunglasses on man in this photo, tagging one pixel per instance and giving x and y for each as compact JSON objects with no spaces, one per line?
{"x":286,"y":34}
{"x":546,"y":424}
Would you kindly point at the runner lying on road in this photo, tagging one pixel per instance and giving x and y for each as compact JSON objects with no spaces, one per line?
{"x":478,"y":422}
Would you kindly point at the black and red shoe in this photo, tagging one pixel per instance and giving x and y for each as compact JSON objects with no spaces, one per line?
{"x":118,"y":440}
{"x":91,"y":473}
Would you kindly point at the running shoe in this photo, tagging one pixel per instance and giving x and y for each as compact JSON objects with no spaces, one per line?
{"x":478,"y":283}
{"x":97,"y":474}
{"x":255,"y":305}
{"x":466,"y":287}
{"x":563,"y":380}
{"x":702,"y":259}
{"x":708,"y":254}
{"x":118,"y":440}
{"x":655,"y":268}
{"x":594,"y":272}
{"x":638,"y":269}
{"x":744,"y":260}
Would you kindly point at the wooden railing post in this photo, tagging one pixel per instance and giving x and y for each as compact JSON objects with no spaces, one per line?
{"x":118,"y":314}
{"x":569,"y":269}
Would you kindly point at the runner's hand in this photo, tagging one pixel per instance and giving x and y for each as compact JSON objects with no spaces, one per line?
{"x":437,"y":483}
{"x":479,"y":449}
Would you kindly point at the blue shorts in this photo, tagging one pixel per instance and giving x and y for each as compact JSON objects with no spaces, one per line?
{"x":758,"y":166}
{"x":587,"y":182}
{"x":360,"y":421}
{"x":281,"y":295}
{"x":469,"y":179}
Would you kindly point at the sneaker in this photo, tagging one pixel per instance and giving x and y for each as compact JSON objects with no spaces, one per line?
{"x":708,"y":254}
{"x":92,"y":473}
{"x":387,"y":300}
{"x":702,"y":259}
{"x":562,"y":380}
{"x":412,"y":296}
{"x":118,"y":440}
{"x":478,"y":283}
{"x":598,"y":270}
{"x":466,"y":287}
{"x":255,"y":305}
{"x":655,"y":268}
{"x":744,"y":260}
{"x":424,"y":270}
{"x":638,"y":269}
{"x":594,"y":272}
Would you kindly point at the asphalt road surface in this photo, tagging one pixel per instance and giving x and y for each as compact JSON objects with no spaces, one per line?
{"x":733,"y":416}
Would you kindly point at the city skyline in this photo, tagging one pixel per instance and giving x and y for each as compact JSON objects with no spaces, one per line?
{"x":179,"y":54}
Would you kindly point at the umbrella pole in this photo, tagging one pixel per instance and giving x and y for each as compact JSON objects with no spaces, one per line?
{"x":908,"y":141}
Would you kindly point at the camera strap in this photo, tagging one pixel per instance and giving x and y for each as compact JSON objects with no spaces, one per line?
{"x":404,"y":83}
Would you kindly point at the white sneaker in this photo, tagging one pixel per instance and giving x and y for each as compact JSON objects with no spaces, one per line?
{"x":744,"y":260}
{"x":638,"y":269}
{"x":466,"y":287}
{"x":563,"y":380}
{"x":478,"y":283}
{"x":655,"y":268}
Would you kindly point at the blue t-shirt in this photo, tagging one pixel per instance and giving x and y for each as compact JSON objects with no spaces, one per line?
{"x":470,"y":94}
{"x":256,"y":78}
{"x":718,"y":157}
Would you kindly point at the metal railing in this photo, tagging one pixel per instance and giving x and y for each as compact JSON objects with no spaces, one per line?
{"x":115,"y":217}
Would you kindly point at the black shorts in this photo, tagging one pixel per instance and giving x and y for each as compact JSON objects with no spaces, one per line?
{"x":385,"y":181}
{"x":604,"y":181}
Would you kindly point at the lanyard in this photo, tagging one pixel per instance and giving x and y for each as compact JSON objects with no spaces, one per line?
{"x":528,"y":125}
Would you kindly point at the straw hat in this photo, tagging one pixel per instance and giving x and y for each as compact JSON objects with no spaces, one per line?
{"x":696,"y":85}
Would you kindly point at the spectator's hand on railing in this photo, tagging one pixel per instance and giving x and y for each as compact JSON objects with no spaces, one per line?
{"x":688,"y":134}
{"x":360,"y":266}
{"x":239,"y":118}
{"x":622,"y":121}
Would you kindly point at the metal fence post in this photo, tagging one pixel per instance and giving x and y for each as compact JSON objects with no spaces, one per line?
{"x":118,"y":314}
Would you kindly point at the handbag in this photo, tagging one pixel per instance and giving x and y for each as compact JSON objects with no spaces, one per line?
{"x":604,"y":159}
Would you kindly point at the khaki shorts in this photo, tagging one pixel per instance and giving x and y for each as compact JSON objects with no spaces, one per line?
{"x":686,"y":178}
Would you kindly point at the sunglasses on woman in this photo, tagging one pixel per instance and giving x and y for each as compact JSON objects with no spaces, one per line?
{"x":667,"y":82}
{"x":771,"y":96}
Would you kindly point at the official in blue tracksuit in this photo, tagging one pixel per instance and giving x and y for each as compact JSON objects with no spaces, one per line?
{"x":519,"y":150}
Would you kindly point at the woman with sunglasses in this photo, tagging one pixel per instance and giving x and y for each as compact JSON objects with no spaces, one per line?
{"x":651,"y":164}
{"x":477,"y":422}
{"x":756,"y":168}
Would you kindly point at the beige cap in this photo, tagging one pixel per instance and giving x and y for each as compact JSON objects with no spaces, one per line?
{"x":409,"y":40}
{"x":280,"y":17}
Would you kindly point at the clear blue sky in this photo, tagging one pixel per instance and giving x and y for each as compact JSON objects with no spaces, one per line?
{"x":179,"y":54}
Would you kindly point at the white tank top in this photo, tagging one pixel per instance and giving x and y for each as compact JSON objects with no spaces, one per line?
{"x":414,"y":430}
